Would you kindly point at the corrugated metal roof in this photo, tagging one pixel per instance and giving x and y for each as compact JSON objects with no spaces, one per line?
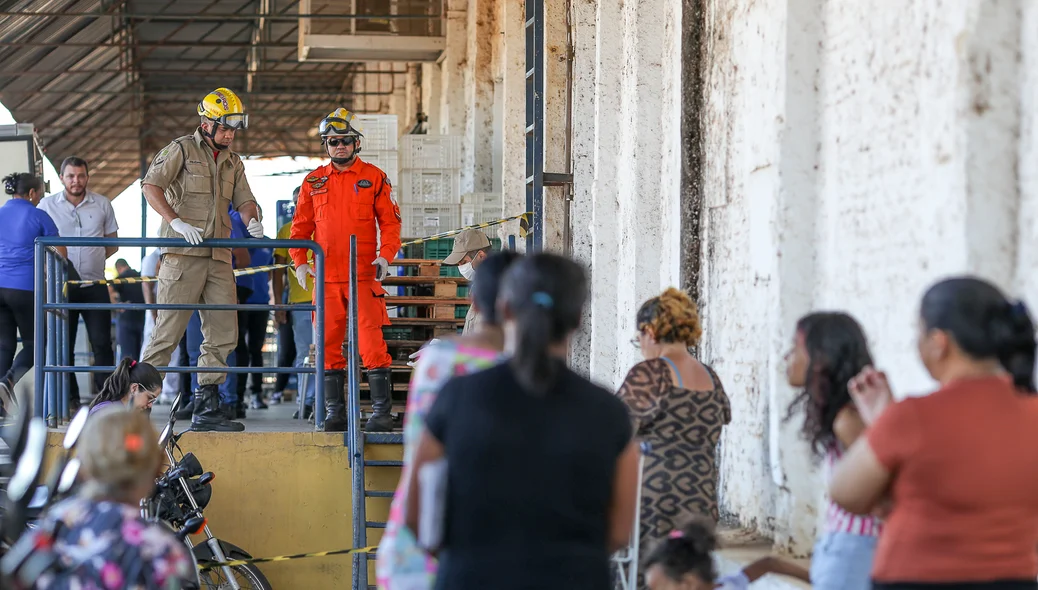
{"x":144,"y":65}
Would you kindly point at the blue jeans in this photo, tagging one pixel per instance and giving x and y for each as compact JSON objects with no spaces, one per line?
{"x":843,"y":561}
{"x":303,"y":330}
{"x":228,"y":393}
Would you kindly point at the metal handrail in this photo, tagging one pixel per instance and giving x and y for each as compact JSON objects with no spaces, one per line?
{"x":52,"y":367}
{"x":354,"y":438}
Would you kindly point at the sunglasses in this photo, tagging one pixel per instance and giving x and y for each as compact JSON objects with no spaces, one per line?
{"x":334,"y":142}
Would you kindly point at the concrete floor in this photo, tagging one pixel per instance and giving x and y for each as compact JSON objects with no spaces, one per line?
{"x":278,"y":418}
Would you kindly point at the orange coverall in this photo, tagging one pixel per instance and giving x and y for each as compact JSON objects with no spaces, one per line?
{"x":333,"y":205}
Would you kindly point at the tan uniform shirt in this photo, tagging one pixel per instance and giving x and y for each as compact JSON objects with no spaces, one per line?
{"x":472,"y":320}
{"x":200,"y":190}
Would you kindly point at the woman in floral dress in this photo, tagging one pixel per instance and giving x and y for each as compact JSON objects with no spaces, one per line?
{"x":401,"y":564}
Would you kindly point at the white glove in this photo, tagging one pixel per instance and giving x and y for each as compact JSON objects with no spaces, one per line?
{"x":192,"y":234}
{"x":255,"y":228}
{"x":383,"y":268}
{"x":301,"y":271}
{"x":414,"y":355}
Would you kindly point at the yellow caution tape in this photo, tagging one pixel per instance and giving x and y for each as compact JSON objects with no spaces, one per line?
{"x":524,"y":229}
{"x":251,"y":270}
{"x":217,"y":564}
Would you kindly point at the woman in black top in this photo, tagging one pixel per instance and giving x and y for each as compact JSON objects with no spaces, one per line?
{"x":543,"y":470}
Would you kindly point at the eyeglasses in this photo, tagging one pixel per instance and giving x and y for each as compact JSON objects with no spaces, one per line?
{"x":335,"y":142}
{"x":636,"y":342}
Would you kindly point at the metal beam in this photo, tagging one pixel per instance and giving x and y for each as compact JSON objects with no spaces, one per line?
{"x":286,"y":73}
{"x":189,"y":91}
{"x":171,"y":43}
{"x":223,"y":17}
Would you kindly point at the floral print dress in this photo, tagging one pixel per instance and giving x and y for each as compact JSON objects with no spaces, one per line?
{"x":402,"y":565}
{"x":107,"y":546}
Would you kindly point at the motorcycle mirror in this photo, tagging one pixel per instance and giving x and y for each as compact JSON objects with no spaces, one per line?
{"x":164,"y":436}
{"x":30,"y":463}
{"x":75,"y":428}
{"x":206,"y":478}
{"x":68,"y":476}
{"x":176,"y":405}
{"x":192,"y":526}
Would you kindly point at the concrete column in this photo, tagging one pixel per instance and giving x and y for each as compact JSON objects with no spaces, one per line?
{"x":1026,"y":283}
{"x":556,"y":126}
{"x":398,"y":101}
{"x":432,"y":96}
{"x":453,"y":110}
{"x":477,"y":170}
{"x":512,"y":61}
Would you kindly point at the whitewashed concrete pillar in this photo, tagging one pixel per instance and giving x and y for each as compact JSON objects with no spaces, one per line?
{"x":512,"y":63}
{"x":477,"y":168}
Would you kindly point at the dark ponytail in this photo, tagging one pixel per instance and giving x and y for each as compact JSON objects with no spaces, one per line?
{"x":984,"y":324}
{"x":129,"y":371}
{"x":19,"y":184}
{"x":688,"y":550}
{"x":545,"y":295}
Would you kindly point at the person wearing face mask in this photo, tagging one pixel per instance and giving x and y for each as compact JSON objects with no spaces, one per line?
{"x":471,"y":248}
{"x":342,"y":198}
{"x":193,"y":183}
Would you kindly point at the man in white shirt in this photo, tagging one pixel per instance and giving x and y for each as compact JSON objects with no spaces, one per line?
{"x":79,"y":212}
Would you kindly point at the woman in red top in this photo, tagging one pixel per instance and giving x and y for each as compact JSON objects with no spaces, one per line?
{"x":959,"y":464}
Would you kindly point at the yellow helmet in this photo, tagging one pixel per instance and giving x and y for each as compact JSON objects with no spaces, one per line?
{"x":340,"y":122}
{"x":224,"y":107}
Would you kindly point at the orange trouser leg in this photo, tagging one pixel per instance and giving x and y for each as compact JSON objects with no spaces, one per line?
{"x":335,"y":320}
{"x":372,"y":315}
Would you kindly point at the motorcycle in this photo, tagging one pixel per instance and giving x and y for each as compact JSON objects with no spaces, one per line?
{"x":181,"y":494}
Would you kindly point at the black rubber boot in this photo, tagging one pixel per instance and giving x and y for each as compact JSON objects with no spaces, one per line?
{"x":381,"y":401}
{"x":208,"y":416}
{"x":335,"y":401}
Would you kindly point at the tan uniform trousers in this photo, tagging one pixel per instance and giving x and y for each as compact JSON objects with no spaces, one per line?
{"x":195,"y":279}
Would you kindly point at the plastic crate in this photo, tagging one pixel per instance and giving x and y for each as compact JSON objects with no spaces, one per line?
{"x":421,"y":220}
{"x":436,"y":187}
{"x":388,"y":161}
{"x":473,"y":214}
{"x":381,"y":132}
{"x":430,"y":151}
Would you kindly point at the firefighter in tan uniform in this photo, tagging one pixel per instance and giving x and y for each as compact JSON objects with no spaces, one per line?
{"x":192,"y":183}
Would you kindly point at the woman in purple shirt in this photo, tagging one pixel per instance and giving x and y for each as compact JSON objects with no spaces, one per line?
{"x":20,"y":224}
{"x":132,"y":384}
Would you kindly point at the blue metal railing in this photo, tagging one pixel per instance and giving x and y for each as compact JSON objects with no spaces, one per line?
{"x":52,"y":365}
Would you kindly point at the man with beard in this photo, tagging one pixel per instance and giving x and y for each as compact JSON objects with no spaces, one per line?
{"x":82,"y":213}
{"x":193,"y":183}
{"x":349,"y":196}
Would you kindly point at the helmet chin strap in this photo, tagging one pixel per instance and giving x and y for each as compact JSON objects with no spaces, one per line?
{"x":211,"y":134}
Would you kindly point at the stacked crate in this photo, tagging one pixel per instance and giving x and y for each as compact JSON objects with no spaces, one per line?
{"x":430,"y":184}
{"x":380,"y":144}
{"x":479,"y":208}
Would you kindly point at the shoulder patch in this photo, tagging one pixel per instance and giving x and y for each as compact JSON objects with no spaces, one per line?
{"x":312,"y":179}
{"x":364,"y":183}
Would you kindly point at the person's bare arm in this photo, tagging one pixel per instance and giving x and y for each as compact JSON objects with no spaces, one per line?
{"x":156,"y":197}
{"x":249,"y":211}
{"x":149,"y":296}
{"x":625,"y":497}
{"x":63,"y":250}
{"x":429,"y":450}
{"x":860,"y":481}
{"x":773,"y":565}
{"x":848,"y":426}
{"x":109,"y":250}
{"x":241,"y":257}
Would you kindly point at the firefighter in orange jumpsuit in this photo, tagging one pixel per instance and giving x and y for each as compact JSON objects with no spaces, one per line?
{"x":349,"y":196}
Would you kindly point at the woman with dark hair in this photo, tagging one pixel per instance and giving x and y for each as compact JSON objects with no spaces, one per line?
{"x":402,"y":564}
{"x":20,"y":224}
{"x":133,"y":384}
{"x":959,"y":463}
{"x":829,"y":349}
{"x":542,"y":470}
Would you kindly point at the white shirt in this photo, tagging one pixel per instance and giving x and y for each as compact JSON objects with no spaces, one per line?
{"x":736,"y":581}
{"x":94,"y":217}
{"x":150,"y":264}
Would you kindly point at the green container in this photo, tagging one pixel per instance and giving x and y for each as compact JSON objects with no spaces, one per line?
{"x":460,"y":311}
{"x":397,"y":333}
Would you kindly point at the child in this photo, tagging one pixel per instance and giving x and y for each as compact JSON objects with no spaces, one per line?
{"x":684,"y":561}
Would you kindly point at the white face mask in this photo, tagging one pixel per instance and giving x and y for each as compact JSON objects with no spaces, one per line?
{"x":467,"y":271}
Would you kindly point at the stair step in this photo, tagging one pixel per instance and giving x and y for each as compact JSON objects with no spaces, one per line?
{"x":384,"y":438}
{"x":375,"y":524}
{"x":378,"y":493}
{"x":379,"y":463}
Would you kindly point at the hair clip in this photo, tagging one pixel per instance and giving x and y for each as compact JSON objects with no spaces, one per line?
{"x":675,"y":534}
{"x":132,"y":442}
{"x":133,"y":364}
{"x":542,"y":299}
